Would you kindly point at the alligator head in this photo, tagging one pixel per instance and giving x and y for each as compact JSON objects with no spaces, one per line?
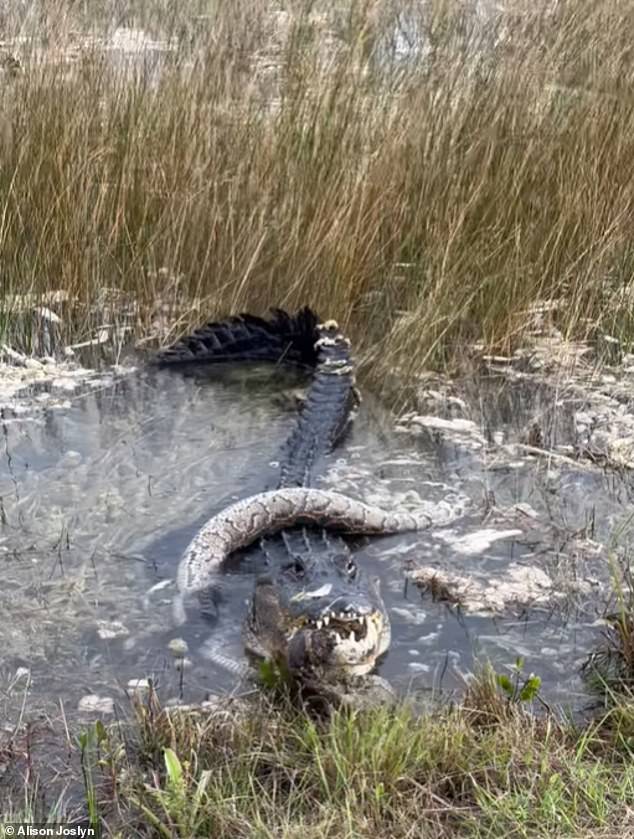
{"x":318,"y":615}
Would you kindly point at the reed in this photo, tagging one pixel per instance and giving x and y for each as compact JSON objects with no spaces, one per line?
{"x":425,"y":173}
{"x":422,"y":172}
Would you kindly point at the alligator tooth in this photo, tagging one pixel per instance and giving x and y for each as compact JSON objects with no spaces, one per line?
{"x":319,"y":624}
{"x":326,"y":620}
{"x":351,"y":636}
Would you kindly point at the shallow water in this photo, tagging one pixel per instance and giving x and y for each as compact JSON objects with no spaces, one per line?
{"x":101,"y":495}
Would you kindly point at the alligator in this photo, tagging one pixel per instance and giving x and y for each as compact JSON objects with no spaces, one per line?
{"x":315,"y":611}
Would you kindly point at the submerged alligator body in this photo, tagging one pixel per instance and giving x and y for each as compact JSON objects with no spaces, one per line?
{"x":315,"y":611}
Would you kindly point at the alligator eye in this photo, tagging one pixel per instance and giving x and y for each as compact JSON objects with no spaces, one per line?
{"x":351,"y":568}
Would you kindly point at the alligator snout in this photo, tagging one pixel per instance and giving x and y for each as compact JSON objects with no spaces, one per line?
{"x":337,"y":628}
{"x":339,"y":642}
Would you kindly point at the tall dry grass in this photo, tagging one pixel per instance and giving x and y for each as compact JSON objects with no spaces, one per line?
{"x":422,"y":172}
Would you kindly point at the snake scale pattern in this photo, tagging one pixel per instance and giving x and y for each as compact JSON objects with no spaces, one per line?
{"x":242,"y":523}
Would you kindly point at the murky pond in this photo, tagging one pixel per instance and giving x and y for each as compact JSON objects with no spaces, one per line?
{"x":101,"y":492}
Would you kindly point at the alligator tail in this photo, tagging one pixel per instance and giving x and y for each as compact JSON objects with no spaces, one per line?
{"x":297,"y":339}
{"x":281,"y":337}
{"x":327,"y":411}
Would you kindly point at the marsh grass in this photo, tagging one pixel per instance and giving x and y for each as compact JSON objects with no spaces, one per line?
{"x":265,"y":766}
{"x":422,"y":173}
{"x":610,"y":668}
{"x":271,"y":770}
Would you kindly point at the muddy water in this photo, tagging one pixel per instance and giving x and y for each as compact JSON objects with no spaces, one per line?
{"x":101,"y":493}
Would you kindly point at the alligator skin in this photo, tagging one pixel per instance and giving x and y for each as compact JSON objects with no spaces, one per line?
{"x":327,"y":410}
{"x":288,"y":338}
{"x":296,"y":339}
{"x":316,"y":611}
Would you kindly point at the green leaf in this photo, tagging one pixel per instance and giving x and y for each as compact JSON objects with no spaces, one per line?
{"x":100,"y":732}
{"x":174,"y":768}
{"x":519,"y":663}
{"x":531,"y":688}
{"x":505,"y":683}
{"x":379,"y":791}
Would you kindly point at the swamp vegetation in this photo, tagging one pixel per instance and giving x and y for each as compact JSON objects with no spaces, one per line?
{"x":444,"y":178}
{"x":424,"y":173}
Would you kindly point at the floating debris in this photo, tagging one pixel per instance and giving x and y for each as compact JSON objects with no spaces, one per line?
{"x":478,"y":541}
{"x":138,"y":687}
{"x":178,"y":647}
{"x":520,"y":586}
{"x":462,"y":431}
{"x":94,"y":704}
{"x":107,"y":630}
{"x":30,"y":383}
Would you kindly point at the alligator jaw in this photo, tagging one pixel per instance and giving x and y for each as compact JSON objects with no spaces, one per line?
{"x":337,"y":637}
{"x":338,"y":643}
{"x":336,"y":650}
{"x":345,"y":626}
